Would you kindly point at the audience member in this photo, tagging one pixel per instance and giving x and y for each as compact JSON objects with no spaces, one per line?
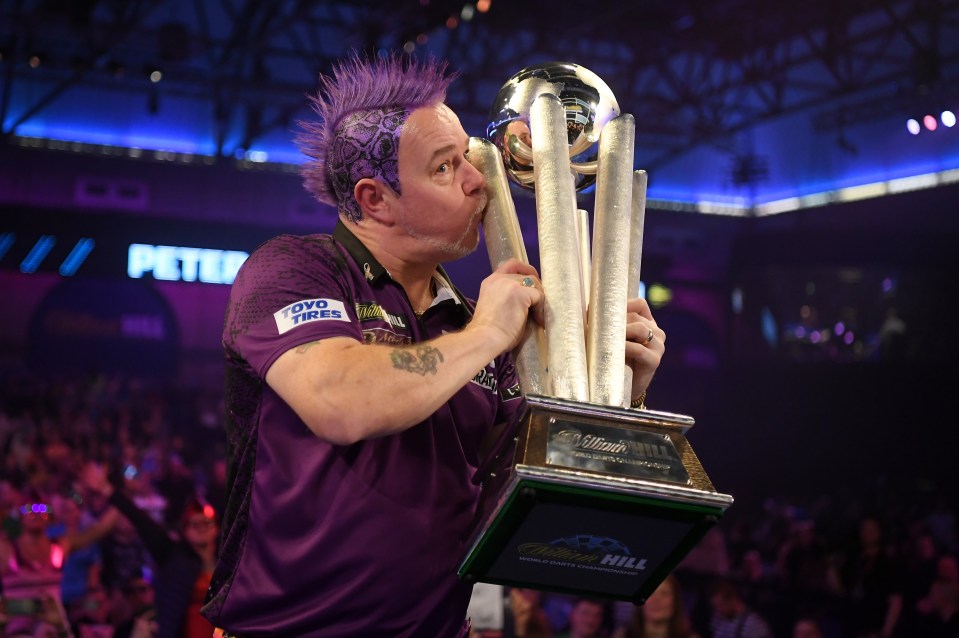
{"x":920,"y":567}
{"x":49,"y":557}
{"x":807,"y":628}
{"x":125,"y":557}
{"x":662,"y":616}
{"x":939,"y":612}
{"x":139,"y":594}
{"x":585,"y":619}
{"x":90,"y":616}
{"x":527,"y":618}
{"x":803,"y":563}
{"x":871,"y":582}
{"x":45,"y":422}
{"x":184,"y":560}
{"x":732,"y":617}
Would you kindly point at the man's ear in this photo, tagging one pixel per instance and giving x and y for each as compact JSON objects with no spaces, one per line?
{"x":373,"y":197}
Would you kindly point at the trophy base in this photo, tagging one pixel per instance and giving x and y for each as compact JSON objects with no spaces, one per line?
{"x":599,"y":501}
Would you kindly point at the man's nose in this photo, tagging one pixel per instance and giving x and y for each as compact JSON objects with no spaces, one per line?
{"x":474,"y":182}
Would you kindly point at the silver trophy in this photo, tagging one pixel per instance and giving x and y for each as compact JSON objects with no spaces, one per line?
{"x":590,"y":497}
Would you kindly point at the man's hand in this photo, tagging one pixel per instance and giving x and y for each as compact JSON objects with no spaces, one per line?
{"x":645,"y":344}
{"x":511,"y":294}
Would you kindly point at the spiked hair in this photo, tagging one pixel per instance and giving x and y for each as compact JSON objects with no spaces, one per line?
{"x":361,"y":110}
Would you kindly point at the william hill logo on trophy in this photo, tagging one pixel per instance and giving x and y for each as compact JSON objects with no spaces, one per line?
{"x":614,"y":450}
{"x":585,"y":551}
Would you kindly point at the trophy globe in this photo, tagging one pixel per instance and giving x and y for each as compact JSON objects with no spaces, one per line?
{"x":589,"y":104}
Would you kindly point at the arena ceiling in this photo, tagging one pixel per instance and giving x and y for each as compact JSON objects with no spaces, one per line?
{"x":746,"y":101}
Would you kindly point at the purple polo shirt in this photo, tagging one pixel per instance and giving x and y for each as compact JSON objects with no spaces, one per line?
{"x":358,"y":540}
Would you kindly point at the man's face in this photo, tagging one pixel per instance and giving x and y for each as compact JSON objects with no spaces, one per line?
{"x":200,"y":530}
{"x":724,"y":605}
{"x":586,"y":618}
{"x":34,"y":517}
{"x":140,"y":594}
{"x":443,"y":198}
{"x":806,"y":629}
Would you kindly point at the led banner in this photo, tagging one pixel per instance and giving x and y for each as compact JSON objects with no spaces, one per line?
{"x":72,"y":244}
{"x":180,"y":263}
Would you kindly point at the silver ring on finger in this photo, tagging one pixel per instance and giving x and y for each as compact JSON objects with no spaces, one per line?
{"x":648,"y":340}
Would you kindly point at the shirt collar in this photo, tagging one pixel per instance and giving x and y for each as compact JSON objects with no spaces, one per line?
{"x":374,"y":270}
{"x":444,"y":289}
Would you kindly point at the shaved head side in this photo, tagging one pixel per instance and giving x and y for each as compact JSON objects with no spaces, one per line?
{"x":361,"y":108}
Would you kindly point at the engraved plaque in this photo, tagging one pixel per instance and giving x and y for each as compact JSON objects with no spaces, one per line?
{"x":611,"y":450}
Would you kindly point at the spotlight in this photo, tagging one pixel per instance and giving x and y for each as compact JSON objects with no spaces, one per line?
{"x":930,"y":122}
{"x":154,"y":73}
{"x":948,"y":119}
{"x":35,"y":60}
{"x":912,"y":126}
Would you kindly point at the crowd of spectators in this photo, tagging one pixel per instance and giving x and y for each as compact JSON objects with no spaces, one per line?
{"x":85,"y":556}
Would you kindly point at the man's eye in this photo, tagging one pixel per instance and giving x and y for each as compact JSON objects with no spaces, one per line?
{"x":443,"y":168}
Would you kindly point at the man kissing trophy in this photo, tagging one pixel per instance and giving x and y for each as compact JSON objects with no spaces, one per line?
{"x":589,"y":496}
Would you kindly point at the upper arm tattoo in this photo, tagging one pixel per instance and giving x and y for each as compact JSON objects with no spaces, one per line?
{"x":421,"y":359}
{"x":300,"y":349}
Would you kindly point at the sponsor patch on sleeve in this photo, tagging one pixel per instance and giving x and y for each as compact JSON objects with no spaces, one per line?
{"x":308,"y":311}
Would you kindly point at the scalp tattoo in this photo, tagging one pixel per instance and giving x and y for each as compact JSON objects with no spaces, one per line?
{"x":421,"y":359}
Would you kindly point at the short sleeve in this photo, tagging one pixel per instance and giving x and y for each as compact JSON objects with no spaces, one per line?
{"x":292,"y":290}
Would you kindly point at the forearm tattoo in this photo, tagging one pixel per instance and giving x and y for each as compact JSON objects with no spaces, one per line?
{"x":421,"y":359}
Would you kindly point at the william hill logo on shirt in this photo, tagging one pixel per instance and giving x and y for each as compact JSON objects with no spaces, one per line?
{"x":374,"y":311}
{"x":307,"y":311}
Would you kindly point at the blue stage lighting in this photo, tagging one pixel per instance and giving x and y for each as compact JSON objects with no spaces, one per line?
{"x":37,"y":254}
{"x":6,"y":240}
{"x":76,"y":257}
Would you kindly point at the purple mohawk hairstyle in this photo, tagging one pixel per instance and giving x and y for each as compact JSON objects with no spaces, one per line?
{"x":361,"y":109}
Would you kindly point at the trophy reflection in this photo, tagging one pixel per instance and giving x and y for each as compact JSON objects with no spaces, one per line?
{"x":591,"y":497}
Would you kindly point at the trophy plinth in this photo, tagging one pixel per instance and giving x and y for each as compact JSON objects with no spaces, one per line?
{"x":595,"y":501}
